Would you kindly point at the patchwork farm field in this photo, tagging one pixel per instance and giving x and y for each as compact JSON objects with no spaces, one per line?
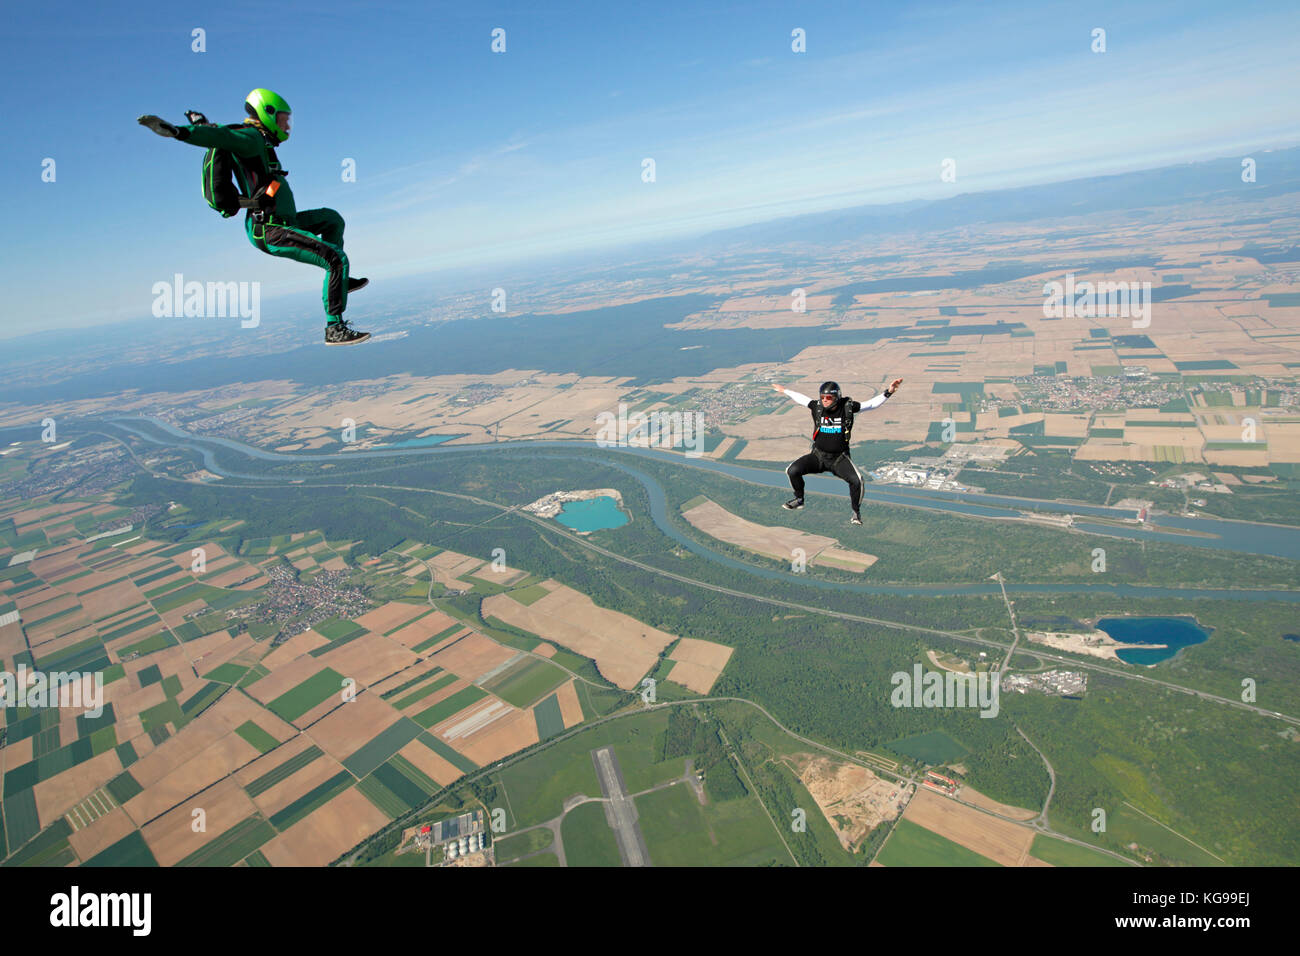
{"x":302,"y":746}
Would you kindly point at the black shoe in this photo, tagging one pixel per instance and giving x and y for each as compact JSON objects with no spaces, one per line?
{"x":355,"y":284}
{"x":856,"y":519}
{"x":794,"y":504}
{"x":338,"y":333}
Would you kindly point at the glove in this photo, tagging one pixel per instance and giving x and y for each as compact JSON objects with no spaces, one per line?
{"x":196,"y":118}
{"x":161,"y":127}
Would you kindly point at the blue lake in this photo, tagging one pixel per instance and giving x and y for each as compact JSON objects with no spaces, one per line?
{"x":1176,"y":632}
{"x":595,"y":514}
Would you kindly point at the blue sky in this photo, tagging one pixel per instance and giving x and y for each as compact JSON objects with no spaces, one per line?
{"x":467,"y":159}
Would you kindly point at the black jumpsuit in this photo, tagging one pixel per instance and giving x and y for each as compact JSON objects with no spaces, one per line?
{"x":830,"y":451}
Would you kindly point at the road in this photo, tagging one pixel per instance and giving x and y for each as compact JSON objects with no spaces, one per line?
{"x":1015,"y":628}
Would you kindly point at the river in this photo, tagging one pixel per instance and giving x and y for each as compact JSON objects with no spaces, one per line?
{"x":1236,"y":536}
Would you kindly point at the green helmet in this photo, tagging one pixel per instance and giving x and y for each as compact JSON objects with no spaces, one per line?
{"x":271,"y":111}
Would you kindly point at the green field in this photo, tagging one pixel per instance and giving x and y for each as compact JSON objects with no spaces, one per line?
{"x":1059,"y":853}
{"x":404,"y":780}
{"x":233,"y":845}
{"x":282,"y":772}
{"x":437,"y":684}
{"x":442,"y":635}
{"x":131,"y":850}
{"x":388,"y":802}
{"x":227,"y":673}
{"x":149,"y":675}
{"x":336,"y":629}
{"x":527,"y":595}
{"x":679,"y":831}
{"x":588,"y":840}
{"x":538,"y":786}
{"x":50,"y":848}
{"x":256,"y":736}
{"x":526,"y":682}
{"x":409,"y":858}
{"x":549,"y":719}
{"x":123,"y":787}
{"x":449,"y":707}
{"x":541,"y":859}
{"x":216,"y":598}
{"x":47,"y":766}
{"x":255,"y":673}
{"x":203,"y":697}
{"x":22,"y":822}
{"x":508,"y":634}
{"x":309,"y":801}
{"x":1126,"y":826}
{"x":382,"y":746}
{"x":393,"y":791}
{"x":313,"y":691}
{"x":912,"y":845}
{"x":933,"y":747}
{"x":407,"y":685}
{"x":148,"y":646}
{"x":521,"y":844}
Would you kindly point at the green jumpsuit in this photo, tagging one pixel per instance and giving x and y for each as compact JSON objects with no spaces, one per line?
{"x":314,"y":236}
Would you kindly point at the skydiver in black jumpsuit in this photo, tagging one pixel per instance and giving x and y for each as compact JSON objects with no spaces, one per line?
{"x":833,"y":421}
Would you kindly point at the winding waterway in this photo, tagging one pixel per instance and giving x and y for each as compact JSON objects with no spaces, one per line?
{"x":1245,"y":537}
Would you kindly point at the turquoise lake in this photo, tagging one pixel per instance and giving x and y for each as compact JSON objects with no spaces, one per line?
{"x":595,"y":514}
{"x":1177,"y":632}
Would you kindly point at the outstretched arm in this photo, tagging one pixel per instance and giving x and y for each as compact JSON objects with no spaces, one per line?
{"x":880,"y":399}
{"x":242,"y":142}
{"x":797,"y":397}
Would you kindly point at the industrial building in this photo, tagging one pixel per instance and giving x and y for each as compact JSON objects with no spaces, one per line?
{"x":458,"y":836}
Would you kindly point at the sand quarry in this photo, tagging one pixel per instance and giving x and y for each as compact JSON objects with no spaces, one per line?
{"x":852,"y":798}
{"x":1096,"y":644}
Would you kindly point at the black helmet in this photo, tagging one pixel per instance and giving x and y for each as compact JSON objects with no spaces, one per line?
{"x":829,"y":388}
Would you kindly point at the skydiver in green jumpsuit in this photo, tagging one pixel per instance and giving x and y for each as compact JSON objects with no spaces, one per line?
{"x":276,"y":226}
